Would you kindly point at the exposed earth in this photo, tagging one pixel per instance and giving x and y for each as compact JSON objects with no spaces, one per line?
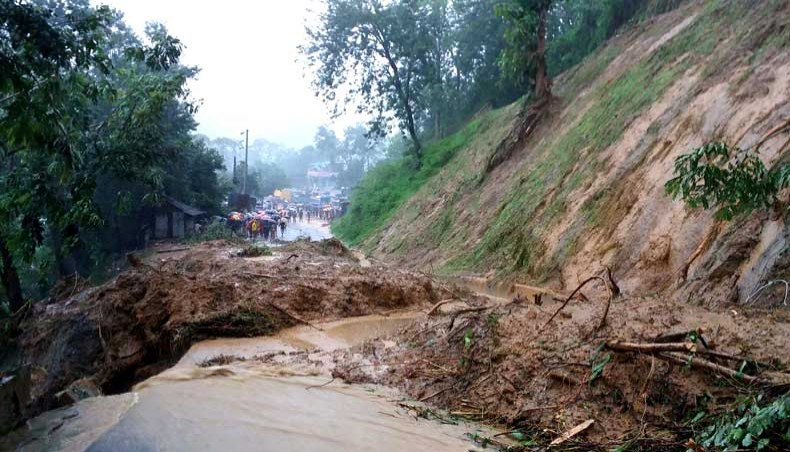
{"x":458,"y":357}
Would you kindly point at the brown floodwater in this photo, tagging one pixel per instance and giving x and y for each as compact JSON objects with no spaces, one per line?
{"x":253,"y":405}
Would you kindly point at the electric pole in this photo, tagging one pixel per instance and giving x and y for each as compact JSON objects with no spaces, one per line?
{"x":246,"y":160}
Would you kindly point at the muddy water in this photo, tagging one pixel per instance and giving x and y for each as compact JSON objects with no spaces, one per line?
{"x":257,"y":404}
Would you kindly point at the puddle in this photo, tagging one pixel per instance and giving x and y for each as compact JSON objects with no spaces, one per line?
{"x":504,"y":291}
{"x":254,"y":405}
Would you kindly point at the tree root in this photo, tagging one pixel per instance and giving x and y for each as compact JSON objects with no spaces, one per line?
{"x":530,"y":118}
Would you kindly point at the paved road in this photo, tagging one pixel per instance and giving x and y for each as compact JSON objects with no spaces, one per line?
{"x":315,"y":230}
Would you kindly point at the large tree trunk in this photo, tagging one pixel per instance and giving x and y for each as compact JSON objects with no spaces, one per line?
{"x":10,"y":277}
{"x":404,"y":96}
{"x":542,"y":80}
{"x":413,"y":134}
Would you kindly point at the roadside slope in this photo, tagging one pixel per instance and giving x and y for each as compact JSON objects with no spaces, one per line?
{"x":586,"y":189}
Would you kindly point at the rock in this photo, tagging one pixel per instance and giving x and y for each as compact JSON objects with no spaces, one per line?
{"x":78,"y":390}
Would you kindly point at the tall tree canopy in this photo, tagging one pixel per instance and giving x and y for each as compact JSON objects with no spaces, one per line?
{"x":83,"y":102}
{"x":380,"y":53}
{"x":524,"y":58}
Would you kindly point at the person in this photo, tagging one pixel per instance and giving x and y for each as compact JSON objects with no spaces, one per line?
{"x":283,"y":223}
{"x":266,"y":229}
{"x":254,"y":228}
{"x":301,"y":213}
{"x":308,"y":216}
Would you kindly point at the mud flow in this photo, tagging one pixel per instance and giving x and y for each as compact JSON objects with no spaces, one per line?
{"x":265,"y":393}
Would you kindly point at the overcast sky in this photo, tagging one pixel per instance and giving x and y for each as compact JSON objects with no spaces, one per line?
{"x":246,"y":50}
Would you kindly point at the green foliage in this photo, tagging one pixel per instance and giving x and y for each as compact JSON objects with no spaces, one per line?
{"x":598,"y":363}
{"x":753,"y":425}
{"x":390,"y":183}
{"x":734,"y":181}
{"x":522,"y":35}
{"x":95,"y":128}
{"x":379,"y":51}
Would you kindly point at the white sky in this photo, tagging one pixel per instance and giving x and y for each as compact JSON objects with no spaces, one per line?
{"x":247,"y":52}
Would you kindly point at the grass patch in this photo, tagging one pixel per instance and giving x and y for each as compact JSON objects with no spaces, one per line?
{"x":385,"y":188}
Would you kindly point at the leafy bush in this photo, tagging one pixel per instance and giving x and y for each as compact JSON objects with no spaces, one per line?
{"x":214,"y":231}
{"x":733,"y":180}
{"x":751,"y":427}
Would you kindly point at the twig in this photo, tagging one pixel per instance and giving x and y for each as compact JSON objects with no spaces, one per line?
{"x":572,"y":432}
{"x":770,"y":283}
{"x":680,"y":336}
{"x":434,"y":394}
{"x":651,"y":348}
{"x":570,"y":297}
{"x":293,"y":316}
{"x":322,"y":384}
{"x":438,"y":305}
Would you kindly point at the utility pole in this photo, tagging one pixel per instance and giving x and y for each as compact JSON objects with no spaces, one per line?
{"x":246,"y":160}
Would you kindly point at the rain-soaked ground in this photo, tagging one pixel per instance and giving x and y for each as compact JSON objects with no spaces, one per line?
{"x":316,"y":230}
{"x":285,"y":401}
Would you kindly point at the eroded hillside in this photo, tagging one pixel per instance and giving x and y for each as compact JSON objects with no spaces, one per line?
{"x":586,"y":189}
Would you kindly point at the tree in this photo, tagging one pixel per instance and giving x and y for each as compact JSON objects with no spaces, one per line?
{"x":327,"y":144}
{"x":380,"y":53}
{"x":82,"y":102}
{"x":524,"y":57}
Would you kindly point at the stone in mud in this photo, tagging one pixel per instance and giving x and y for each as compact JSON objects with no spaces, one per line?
{"x":78,"y":390}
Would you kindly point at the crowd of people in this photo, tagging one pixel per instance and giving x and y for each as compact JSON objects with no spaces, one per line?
{"x":271,"y":223}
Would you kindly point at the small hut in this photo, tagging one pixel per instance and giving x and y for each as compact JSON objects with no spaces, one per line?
{"x":175,"y":220}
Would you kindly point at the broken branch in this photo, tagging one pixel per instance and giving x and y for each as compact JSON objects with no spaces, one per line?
{"x":570,"y":297}
{"x":651,"y":348}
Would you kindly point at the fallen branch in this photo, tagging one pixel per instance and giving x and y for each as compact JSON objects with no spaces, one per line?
{"x":651,"y":348}
{"x":705,"y":364}
{"x":438,"y":305}
{"x":293,"y":316}
{"x":570,"y":297}
{"x":572,"y":432}
{"x":701,"y":248}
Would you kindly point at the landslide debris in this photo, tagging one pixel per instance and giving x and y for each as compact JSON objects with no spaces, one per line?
{"x":112,"y":336}
{"x":644,"y":377}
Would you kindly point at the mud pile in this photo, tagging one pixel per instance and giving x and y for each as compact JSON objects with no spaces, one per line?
{"x":507,"y":365}
{"x":107,"y":338}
